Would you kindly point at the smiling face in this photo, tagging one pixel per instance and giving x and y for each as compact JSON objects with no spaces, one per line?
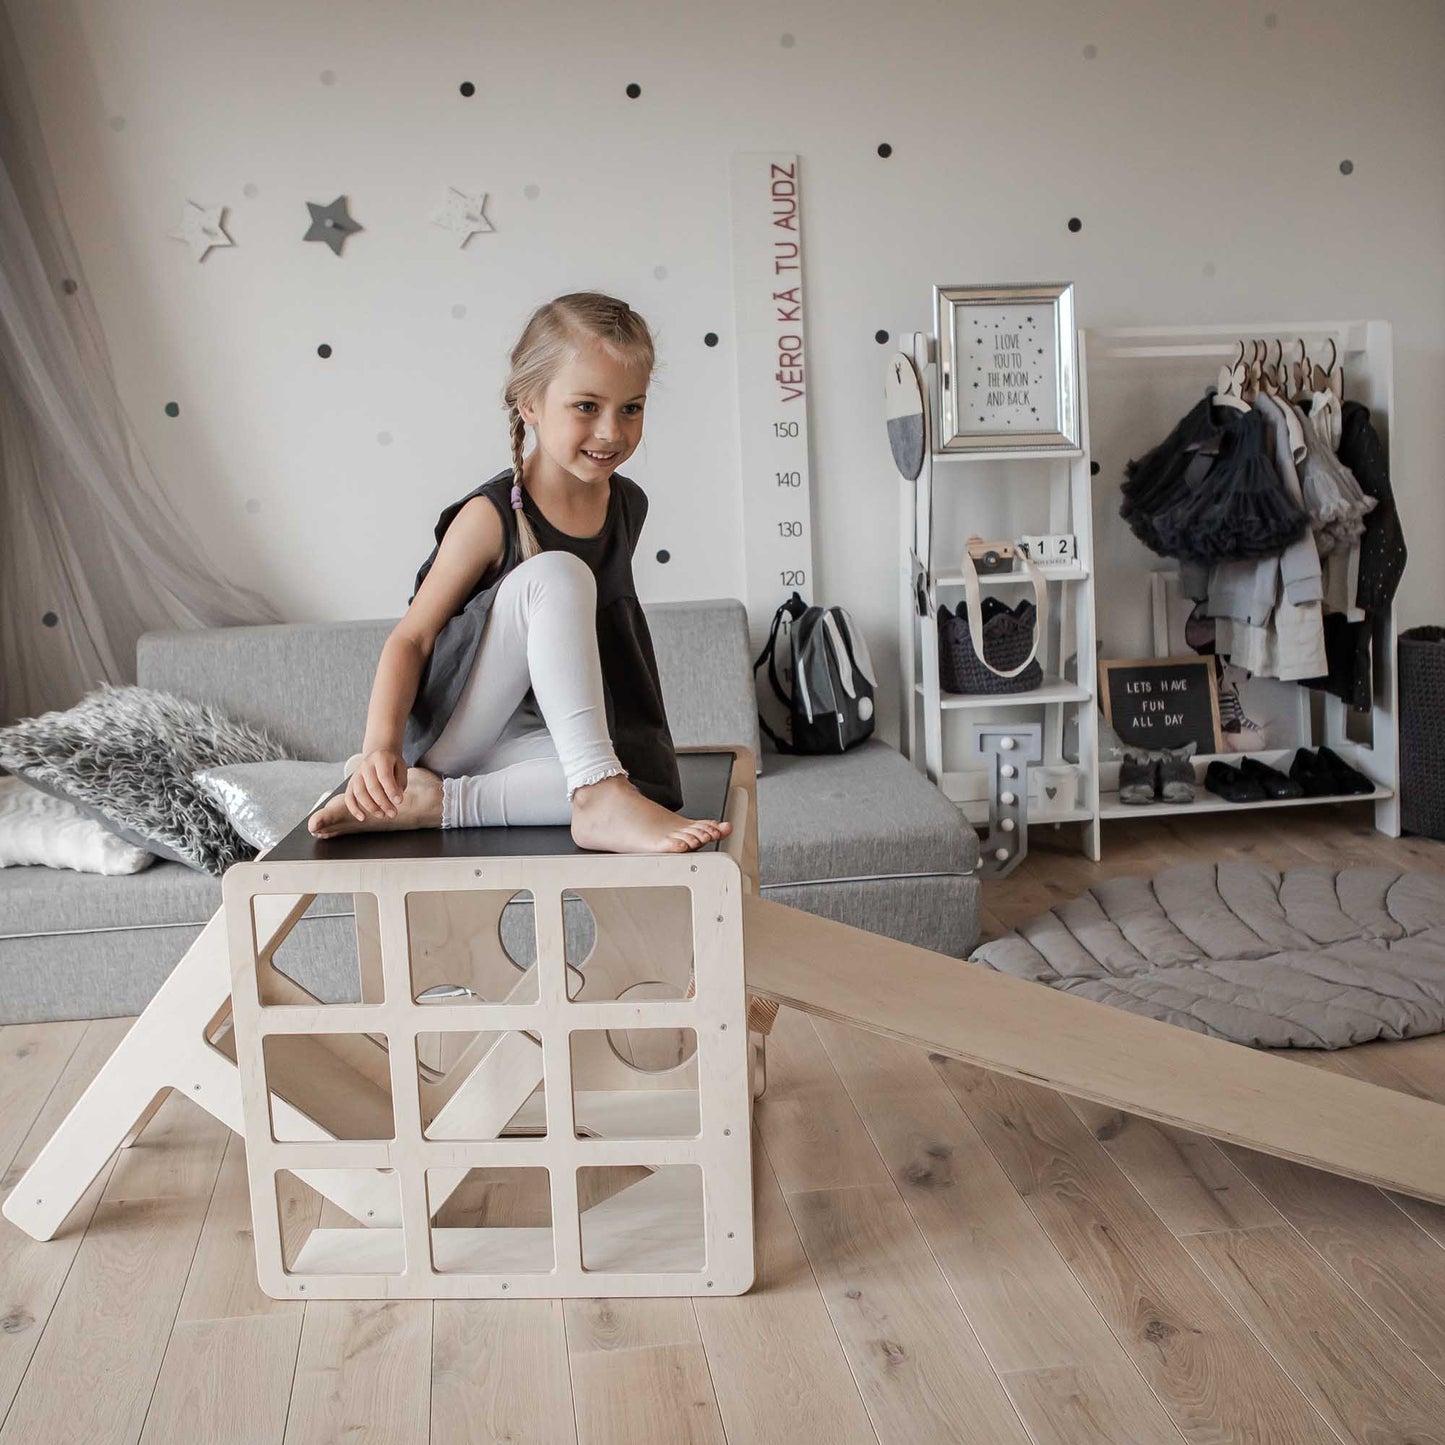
{"x":590,"y":419}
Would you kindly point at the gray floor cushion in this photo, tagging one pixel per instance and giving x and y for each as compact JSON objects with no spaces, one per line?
{"x":1306,"y":958}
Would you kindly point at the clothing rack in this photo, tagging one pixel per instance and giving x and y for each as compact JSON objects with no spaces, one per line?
{"x":1139,"y":376}
{"x":1139,"y":381}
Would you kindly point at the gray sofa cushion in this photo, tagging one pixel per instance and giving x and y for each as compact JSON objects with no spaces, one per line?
{"x":867,"y":813}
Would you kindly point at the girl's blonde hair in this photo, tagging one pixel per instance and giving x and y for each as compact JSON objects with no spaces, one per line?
{"x":557,"y":329}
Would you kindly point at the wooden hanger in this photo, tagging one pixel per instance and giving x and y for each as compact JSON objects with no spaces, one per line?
{"x":1231,"y":384}
{"x":1332,"y":377}
{"x":1300,"y":373}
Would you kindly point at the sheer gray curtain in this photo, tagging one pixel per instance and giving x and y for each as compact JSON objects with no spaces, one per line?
{"x":92,"y":554}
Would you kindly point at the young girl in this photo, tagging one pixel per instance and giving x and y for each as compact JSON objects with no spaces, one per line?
{"x":521,"y":686}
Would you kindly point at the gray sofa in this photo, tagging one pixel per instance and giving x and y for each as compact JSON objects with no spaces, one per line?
{"x":862,"y":838}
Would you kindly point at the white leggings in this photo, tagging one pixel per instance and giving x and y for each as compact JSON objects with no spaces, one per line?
{"x":500,"y":761}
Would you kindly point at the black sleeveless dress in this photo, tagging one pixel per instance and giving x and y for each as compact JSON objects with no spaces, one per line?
{"x":636,"y":718}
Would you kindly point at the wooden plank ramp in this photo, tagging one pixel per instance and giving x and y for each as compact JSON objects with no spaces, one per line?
{"x":1092,"y":1051}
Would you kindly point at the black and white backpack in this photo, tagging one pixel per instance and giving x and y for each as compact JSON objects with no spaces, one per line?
{"x":830,"y":708}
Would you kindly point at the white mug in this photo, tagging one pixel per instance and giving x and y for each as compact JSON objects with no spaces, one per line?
{"x":1056,"y":790}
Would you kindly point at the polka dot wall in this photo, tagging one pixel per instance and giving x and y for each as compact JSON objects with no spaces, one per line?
{"x":348,"y":387}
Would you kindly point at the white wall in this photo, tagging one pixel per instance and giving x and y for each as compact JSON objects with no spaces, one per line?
{"x":1199,"y":141}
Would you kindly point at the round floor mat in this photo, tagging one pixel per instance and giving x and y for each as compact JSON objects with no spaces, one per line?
{"x":1304,"y":958}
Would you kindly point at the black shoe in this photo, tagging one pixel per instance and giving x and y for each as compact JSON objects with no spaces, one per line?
{"x":1275,"y":783}
{"x":1308,"y":772}
{"x":1343,"y":778}
{"x":1232,"y":785}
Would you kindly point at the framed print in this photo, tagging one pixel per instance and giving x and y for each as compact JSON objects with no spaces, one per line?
{"x":1008,"y":368}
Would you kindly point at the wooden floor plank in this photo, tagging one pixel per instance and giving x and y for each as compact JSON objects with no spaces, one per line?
{"x":362,"y":1374}
{"x":499,"y":1372}
{"x":33,"y":1272}
{"x":1210,"y":1372}
{"x":225,"y":1382}
{"x":774,"y":1356}
{"x":32,"y":1058}
{"x":1348,"y":1363}
{"x":1187,"y":1179}
{"x":1396,"y":1268}
{"x":1090,"y":1405}
{"x":916,"y":1359}
{"x":1028,"y":1309}
{"x":96,"y":1364}
{"x":639,"y":1372}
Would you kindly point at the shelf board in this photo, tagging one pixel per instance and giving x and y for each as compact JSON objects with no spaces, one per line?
{"x":1010,"y":454}
{"x":1054,"y":689}
{"x":1111,"y":807}
{"x":1049,"y":574}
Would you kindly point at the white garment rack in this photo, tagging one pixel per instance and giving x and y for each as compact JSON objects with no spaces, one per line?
{"x":1140,"y":380}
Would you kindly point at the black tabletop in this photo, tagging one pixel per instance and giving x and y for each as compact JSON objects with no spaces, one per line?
{"x":705,"y":781}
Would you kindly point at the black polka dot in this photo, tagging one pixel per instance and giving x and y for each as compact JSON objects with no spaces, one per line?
{"x":880,"y":337}
{"x":1075,"y":224}
{"x":69,"y":286}
{"x":467,"y":88}
{"x":1346,"y":167}
{"x":885,"y":150}
{"x":710,"y":339}
{"x":50,"y":619}
{"x":634,"y":90}
{"x":172,"y":409}
{"x":1093,"y":469}
{"x":323,"y":351}
{"x":664,"y":555}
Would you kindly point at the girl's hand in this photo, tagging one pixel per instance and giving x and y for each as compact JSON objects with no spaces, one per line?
{"x":375,"y":789}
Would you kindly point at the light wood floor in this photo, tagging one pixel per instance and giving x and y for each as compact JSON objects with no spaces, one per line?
{"x":943,"y":1255}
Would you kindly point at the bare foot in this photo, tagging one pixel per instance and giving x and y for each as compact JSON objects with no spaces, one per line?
{"x":420,"y":807}
{"x":613,"y":817}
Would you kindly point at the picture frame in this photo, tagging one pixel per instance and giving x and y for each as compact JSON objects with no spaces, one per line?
{"x":1008,"y":357}
{"x":1143,"y":696}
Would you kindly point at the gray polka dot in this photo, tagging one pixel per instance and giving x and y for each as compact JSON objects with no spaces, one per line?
{"x":1090,"y":52}
{"x":328,"y":77}
{"x":1270,"y":20}
{"x":459,"y":311}
{"x":383,"y":438}
{"x":117,"y":122}
{"x":787,"y":42}
{"x":1346,"y":167}
{"x":253,"y":505}
{"x":1209,"y":268}
{"x":660,"y":272}
{"x":531,"y":192}
{"x":251,"y":190}
{"x":69,"y":286}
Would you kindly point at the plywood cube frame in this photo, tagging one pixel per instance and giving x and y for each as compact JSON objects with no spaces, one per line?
{"x":716,"y":1011}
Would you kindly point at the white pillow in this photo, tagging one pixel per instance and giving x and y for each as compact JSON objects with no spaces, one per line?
{"x":38,"y":829}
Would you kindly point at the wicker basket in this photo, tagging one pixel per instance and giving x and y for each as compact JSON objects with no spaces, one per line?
{"x":1421,"y":654}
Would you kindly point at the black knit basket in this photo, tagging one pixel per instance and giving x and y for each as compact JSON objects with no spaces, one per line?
{"x":1421,"y":673}
{"x":1008,"y":634}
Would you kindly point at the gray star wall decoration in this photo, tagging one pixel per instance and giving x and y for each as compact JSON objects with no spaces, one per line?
{"x":201,"y":229}
{"x":330,"y":223}
{"x":463,"y":214}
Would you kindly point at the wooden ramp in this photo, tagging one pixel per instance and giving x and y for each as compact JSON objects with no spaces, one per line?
{"x":1157,"y":1070}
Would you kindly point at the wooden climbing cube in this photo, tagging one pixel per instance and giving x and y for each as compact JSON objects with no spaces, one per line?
{"x":504,"y":1109}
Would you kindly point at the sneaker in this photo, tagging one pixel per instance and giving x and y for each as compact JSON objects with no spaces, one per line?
{"x":1230,"y":784}
{"x":1138,"y":780}
{"x":1176,"y":780}
{"x":1275,"y":783}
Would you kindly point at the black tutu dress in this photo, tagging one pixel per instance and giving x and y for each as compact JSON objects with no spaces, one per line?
{"x":1156,"y":480}
{"x":1238,"y":509}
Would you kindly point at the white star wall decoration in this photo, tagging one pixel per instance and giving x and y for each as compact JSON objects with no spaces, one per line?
{"x":201,"y":229}
{"x":463,"y":214}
